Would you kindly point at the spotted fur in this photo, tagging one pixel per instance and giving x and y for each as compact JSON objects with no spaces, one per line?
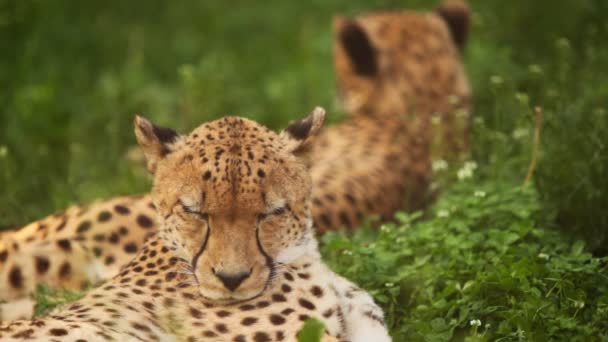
{"x":395,"y":70}
{"x":234,"y":259}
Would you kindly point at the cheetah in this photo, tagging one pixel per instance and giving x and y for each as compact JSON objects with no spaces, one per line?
{"x":235,"y":256}
{"x":395,"y":71}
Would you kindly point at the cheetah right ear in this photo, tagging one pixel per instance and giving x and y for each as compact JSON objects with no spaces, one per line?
{"x":457,"y":16}
{"x":155,"y":141}
{"x":355,"y":42}
{"x":298,"y":135}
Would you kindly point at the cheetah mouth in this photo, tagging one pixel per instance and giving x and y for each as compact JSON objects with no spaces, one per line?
{"x":234,"y":297}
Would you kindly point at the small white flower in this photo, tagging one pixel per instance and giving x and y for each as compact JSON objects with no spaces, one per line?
{"x":470,"y":165}
{"x":520,"y":132}
{"x":389,"y":284}
{"x":480,"y":194}
{"x":443,"y":213}
{"x":522,"y":98}
{"x":453,"y":99}
{"x":347,"y":252}
{"x":439,"y":165}
{"x":464,"y":174}
{"x":543,"y":256}
{"x":475,"y":323}
{"x":579,"y":304}
{"x":467,"y":170}
{"x":385,"y":228}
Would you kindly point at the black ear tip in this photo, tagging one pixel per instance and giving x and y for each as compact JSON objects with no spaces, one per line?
{"x":457,"y":15}
{"x":358,"y":48}
{"x":165,"y":135}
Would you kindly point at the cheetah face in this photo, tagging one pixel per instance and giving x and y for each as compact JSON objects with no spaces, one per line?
{"x":233,"y":198}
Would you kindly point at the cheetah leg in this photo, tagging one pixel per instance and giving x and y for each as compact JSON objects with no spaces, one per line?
{"x":364,"y":319}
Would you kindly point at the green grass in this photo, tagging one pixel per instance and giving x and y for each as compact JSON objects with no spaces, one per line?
{"x":73,"y":74}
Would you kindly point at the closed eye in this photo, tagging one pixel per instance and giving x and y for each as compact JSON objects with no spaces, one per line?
{"x":274,"y":212}
{"x":193,"y":210}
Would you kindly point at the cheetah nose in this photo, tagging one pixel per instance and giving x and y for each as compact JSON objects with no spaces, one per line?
{"x":232,"y":280}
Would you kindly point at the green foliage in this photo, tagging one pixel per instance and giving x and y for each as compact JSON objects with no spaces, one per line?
{"x":481,"y":266}
{"x":312,"y":331}
{"x":73,"y":75}
{"x":47,"y":298}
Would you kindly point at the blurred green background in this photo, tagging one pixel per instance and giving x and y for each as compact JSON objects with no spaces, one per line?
{"x":72,"y":74}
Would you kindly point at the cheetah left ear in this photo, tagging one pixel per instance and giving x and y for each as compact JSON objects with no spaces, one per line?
{"x":457,"y":16}
{"x":298,"y":135}
{"x":155,"y":141}
{"x":357,"y":46}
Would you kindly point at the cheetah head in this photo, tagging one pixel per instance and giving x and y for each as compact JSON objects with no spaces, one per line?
{"x":233,"y":198}
{"x":389,"y":62}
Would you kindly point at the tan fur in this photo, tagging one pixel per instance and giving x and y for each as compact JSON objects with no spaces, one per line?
{"x":217,"y":192}
{"x":374,"y":163}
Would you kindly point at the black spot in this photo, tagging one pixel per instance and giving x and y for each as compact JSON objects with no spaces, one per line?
{"x":42,"y":264}
{"x":196,"y":313}
{"x":15,"y":277}
{"x":286,"y":288}
{"x":344,"y":219}
{"x":65,"y":270}
{"x":317,"y":291}
{"x":3,"y":255}
{"x":114,"y":238}
{"x":130,"y":247}
{"x":261,"y":337}
{"x":239,"y":338}
{"x":306,"y":304}
{"x":287,"y":312}
{"x":144,"y":221}
{"x":64,"y":244}
{"x":104,"y":216}
{"x":109,"y":260}
{"x":247,"y":321}
{"x":261,"y":173}
{"x":207,"y":175}
{"x":277,"y":297}
{"x":84,"y":226}
{"x":247,"y":307}
{"x":58,"y":332}
{"x":359,"y":49}
{"x":221,"y":328}
{"x":325,"y":219}
{"x":262,"y":304}
{"x":277,"y":319}
{"x":223,"y":313}
{"x":121,"y":209}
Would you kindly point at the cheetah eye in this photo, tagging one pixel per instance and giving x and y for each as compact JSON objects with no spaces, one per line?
{"x":274,"y":212}
{"x":194,"y":211}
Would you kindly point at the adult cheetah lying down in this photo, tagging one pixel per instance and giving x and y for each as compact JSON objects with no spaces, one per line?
{"x":235,"y":258}
{"x":394,"y":70}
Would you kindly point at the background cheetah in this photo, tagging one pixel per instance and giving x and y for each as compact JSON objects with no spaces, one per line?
{"x":235,"y":258}
{"x":395,"y":70}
